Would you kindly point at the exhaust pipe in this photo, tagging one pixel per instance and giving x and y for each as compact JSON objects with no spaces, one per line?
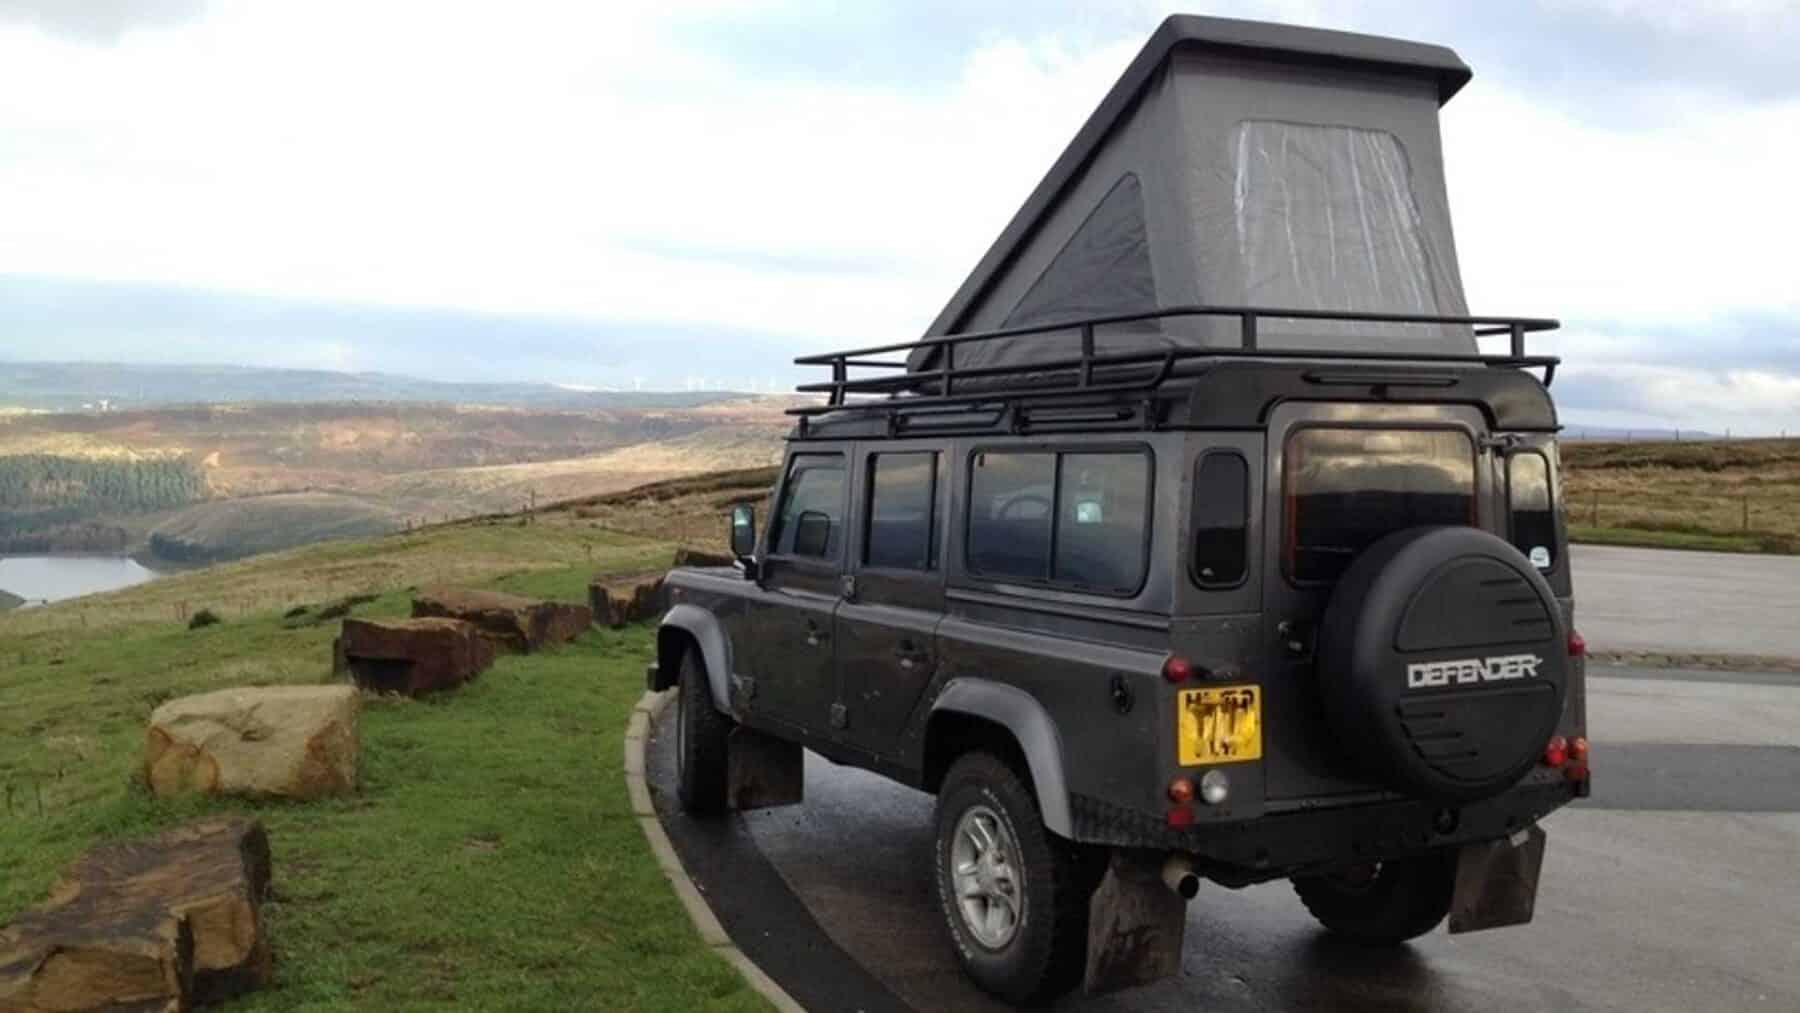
{"x":1178,"y":875}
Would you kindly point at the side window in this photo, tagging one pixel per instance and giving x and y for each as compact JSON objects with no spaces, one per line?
{"x":1079,"y":519}
{"x":1533,"y":516}
{"x":902,"y":508}
{"x":1102,"y":505}
{"x":810,"y":521}
{"x":1221,"y":519}
{"x":1011,"y":507}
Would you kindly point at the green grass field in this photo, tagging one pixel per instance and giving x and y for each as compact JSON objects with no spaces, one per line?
{"x":490,"y":859}
{"x":1725,"y":496}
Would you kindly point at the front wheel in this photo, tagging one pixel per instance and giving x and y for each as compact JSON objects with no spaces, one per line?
{"x":1382,"y":903}
{"x":1015,"y":896}
{"x":700,"y":741}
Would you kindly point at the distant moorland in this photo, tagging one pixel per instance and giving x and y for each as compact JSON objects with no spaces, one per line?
{"x":78,"y":386}
{"x":200,"y":483}
{"x":1736,"y":496}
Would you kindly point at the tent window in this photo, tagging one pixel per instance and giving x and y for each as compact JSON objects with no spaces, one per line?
{"x":1103,"y":270}
{"x":1327,"y":220}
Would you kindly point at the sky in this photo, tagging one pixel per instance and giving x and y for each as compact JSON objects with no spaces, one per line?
{"x":665,"y":194}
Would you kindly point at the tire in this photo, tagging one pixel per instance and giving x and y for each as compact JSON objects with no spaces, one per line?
{"x":1397,"y":901}
{"x":700,"y":737}
{"x":1050,"y":880}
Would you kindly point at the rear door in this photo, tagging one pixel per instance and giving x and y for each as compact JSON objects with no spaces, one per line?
{"x":1339,"y":478}
{"x":887,"y":624}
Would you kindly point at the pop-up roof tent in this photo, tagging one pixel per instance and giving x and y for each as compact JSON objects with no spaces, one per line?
{"x":1240,"y":164}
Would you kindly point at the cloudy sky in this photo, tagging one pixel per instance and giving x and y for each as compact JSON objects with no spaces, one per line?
{"x":598,"y":193}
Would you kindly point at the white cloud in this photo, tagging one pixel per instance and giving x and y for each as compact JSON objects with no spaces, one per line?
{"x":560,"y":158}
{"x":1688,"y":221}
{"x":435,"y":156}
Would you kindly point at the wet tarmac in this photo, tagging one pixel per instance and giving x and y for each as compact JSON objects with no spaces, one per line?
{"x":1674,"y":888}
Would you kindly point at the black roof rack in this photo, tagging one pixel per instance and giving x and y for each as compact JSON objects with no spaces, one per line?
{"x":1093,"y":377}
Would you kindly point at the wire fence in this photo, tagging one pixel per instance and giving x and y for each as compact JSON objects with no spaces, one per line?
{"x":1597,"y":435}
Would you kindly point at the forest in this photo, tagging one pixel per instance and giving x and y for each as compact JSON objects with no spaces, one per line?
{"x":51,"y":503}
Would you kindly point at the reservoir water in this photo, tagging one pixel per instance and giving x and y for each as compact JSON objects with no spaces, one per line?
{"x":40,"y":579}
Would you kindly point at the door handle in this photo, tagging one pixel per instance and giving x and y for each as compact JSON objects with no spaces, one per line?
{"x":814,"y":635}
{"x":910,"y":656}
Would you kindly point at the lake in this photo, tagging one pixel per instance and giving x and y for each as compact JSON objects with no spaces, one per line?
{"x":53,"y":578}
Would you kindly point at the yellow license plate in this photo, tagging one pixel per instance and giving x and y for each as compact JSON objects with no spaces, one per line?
{"x":1218,"y":725}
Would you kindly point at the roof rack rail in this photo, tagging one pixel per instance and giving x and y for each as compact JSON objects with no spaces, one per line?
{"x":1093,"y":375}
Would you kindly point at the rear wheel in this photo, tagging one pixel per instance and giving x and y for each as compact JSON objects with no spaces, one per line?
{"x":700,"y":737}
{"x":1014,"y":895}
{"x":1382,"y":903}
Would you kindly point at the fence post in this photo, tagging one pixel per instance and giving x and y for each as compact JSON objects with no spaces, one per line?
{"x":1746,"y":513}
{"x":1594,"y":521}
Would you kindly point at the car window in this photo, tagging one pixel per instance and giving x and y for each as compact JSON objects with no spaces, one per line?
{"x":1221,"y":518}
{"x":1347,"y":487}
{"x":1011,"y":502}
{"x":810,"y":521}
{"x":1072,"y":518}
{"x":1102,"y":505}
{"x":1528,"y":494}
{"x":902,"y":503}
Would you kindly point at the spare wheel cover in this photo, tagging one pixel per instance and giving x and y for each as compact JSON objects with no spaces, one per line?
{"x":1443,"y":662}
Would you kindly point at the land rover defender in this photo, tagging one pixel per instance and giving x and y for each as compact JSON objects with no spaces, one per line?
{"x":1200,"y":538}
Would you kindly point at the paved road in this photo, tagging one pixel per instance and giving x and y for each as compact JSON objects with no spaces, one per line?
{"x":1653,"y":599}
{"x":1651,"y":899}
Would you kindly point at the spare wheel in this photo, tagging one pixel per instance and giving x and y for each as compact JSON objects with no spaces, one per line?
{"x":1443,"y":662}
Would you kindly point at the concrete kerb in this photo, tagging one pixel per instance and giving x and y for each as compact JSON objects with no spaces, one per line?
{"x":637,"y":737}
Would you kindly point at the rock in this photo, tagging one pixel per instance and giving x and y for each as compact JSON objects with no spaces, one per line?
{"x":513,"y":622}
{"x":411,"y":656}
{"x":152,"y":924}
{"x":297,"y":742}
{"x":618,"y":602}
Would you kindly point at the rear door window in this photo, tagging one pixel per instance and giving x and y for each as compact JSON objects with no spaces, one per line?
{"x":902,"y":495}
{"x":1344,"y":488}
{"x":1531,"y":505}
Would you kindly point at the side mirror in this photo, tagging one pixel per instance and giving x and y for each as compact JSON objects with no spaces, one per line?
{"x":812,"y":534}
{"x":743,"y":531}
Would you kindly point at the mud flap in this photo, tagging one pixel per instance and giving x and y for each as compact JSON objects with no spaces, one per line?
{"x":1135,"y":926}
{"x":1497,"y":881}
{"x":762,"y":771}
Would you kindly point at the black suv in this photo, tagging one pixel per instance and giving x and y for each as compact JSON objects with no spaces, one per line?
{"x":1148,"y":588}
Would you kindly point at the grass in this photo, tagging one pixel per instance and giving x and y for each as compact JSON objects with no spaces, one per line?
{"x":1736,"y":496}
{"x":233,"y":528}
{"x":490,"y":859}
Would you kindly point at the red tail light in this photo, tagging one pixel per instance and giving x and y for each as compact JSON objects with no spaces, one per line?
{"x":1181,"y":816}
{"x":1556,"y":751}
{"x":1578,"y":750}
{"x":1177,"y":669}
{"x":1577,"y":645}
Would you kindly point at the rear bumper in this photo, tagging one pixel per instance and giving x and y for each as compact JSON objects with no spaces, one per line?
{"x":1281,"y":845}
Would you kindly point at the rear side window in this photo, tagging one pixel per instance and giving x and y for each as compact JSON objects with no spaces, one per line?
{"x":1221,"y":519}
{"x":1011,"y":507}
{"x":902,"y":497}
{"x":810,"y":522}
{"x":1078,"y":519}
{"x":1529,"y":499}
{"x":1345,"y":488}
